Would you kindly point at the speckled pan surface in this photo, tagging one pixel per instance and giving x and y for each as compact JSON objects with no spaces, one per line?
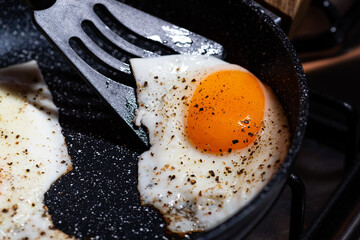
{"x":99,"y":197}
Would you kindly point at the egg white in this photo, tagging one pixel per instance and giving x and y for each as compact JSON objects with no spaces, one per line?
{"x":33,"y":153}
{"x":193,"y":189}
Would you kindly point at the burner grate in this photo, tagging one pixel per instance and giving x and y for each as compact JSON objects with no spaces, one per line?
{"x":329,"y":223}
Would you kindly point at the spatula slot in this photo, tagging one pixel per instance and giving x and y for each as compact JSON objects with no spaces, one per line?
{"x":103,"y":42}
{"x":117,"y":27}
{"x":97,"y":64}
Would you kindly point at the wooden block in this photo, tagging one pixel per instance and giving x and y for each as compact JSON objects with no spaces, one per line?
{"x":292,"y":12}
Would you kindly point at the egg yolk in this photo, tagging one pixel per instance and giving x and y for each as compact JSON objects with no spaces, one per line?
{"x":226,"y":111}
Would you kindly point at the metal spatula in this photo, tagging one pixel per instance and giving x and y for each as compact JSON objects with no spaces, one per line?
{"x":61,"y":20}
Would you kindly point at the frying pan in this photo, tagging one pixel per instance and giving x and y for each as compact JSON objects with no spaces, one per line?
{"x":99,"y":196}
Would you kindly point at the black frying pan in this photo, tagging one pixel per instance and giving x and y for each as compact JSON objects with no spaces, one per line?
{"x":99,"y":197}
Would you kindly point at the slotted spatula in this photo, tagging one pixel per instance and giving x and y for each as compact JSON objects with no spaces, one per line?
{"x":61,"y":20}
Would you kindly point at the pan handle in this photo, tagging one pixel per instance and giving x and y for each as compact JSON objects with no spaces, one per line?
{"x":277,"y":19}
{"x":40,"y":4}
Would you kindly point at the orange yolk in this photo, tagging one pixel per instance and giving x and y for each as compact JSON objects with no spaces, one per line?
{"x":226,"y":111}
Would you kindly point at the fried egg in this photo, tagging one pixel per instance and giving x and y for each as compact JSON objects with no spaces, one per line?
{"x":217,"y":136}
{"x":33,"y":153}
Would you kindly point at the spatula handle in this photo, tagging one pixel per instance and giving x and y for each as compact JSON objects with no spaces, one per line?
{"x":40,"y":4}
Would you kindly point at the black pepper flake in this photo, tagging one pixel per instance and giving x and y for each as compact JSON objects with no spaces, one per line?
{"x":201,"y":109}
{"x":156,"y":77}
{"x":5,"y":210}
{"x":145,"y":84}
{"x":196,"y":105}
{"x":212,"y":173}
{"x":217,"y":179}
{"x":246,"y":121}
{"x":172,"y":177}
{"x":235,"y":141}
{"x":241,"y":171}
{"x":193,"y":80}
{"x":250,"y":134}
{"x":27,"y":170}
{"x":191,"y":181}
{"x":229,"y":150}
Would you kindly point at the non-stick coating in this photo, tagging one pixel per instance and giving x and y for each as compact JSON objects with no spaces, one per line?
{"x":99,"y":197}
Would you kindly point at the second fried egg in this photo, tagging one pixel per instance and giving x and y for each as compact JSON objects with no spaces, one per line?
{"x":33,"y":154}
{"x":217,"y":136}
